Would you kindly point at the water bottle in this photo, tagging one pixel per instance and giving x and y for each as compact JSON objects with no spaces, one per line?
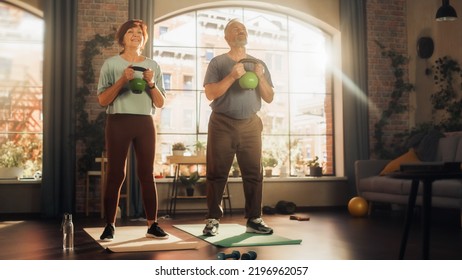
{"x":68,"y":232}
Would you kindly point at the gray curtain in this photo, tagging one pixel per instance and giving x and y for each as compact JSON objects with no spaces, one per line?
{"x":140,"y":9}
{"x":354,"y":65}
{"x":59,"y":89}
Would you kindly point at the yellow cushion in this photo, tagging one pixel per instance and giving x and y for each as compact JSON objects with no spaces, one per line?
{"x":394,"y":165}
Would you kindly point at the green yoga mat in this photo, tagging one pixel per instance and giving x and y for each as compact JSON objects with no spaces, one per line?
{"x":234,"y":235}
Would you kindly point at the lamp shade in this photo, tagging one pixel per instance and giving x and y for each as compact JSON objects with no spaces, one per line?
{"x":446,"y":12}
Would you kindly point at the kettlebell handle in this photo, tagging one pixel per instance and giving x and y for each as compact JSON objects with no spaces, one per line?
{"x":249,"y":60}
{"x":138,"y":68}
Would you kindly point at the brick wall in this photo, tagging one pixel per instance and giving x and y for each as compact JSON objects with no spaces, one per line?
{"x":386,"y":23}
{"x":95,"y":17}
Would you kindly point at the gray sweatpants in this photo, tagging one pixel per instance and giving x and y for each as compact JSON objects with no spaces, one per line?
{"x":228,"y":137}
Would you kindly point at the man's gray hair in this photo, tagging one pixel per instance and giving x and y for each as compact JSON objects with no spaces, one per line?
{"x":232,"y":21}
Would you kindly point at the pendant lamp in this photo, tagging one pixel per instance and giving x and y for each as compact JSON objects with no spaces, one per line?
{"x":446,"y":12}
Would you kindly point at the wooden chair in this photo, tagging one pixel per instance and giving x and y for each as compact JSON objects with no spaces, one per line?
{"x":90,"y":173}
{"x":97,"y":173}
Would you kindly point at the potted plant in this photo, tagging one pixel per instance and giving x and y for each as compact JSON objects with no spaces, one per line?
{"x":315,"y":167}
{"x":178,"y":149}
{"x":269,"y":162}
{"x":12,"y":159}
{"x":200,"y":148}
{"x":190,"y":182}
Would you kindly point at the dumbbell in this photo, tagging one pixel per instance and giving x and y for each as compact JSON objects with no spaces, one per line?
{"x":235,"y":255}
{"x":250,"y":255}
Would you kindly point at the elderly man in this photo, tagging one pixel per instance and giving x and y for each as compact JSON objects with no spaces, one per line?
{"x":235,"y":129}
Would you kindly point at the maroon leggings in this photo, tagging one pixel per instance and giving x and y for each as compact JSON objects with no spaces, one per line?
{"x":121,"y":131}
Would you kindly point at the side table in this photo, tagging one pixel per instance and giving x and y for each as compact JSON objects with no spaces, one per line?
{"x":173,"y":194}
{"x":427,"y":178}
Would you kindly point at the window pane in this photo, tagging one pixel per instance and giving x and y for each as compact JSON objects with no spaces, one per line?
{"x":275,"y":116}
{"x":305,"y":37}
{"x":176,"y":63}
{"x":266,"y":30}
{"x":21,"y":60}
{"x":278,"y":146}
{"x":204,"y":113}
{"x":307,"y":114}
{"x":309,"y":75}
{"x":179,"y":112}
{"x":211,"y":24}
{"x":176,"y":31}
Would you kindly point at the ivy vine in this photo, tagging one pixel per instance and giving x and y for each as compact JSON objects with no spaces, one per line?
{"x":90,"y":133}
{"x":446,"y":103}
{"x":395,"y":106}
{"x":446,"y":100}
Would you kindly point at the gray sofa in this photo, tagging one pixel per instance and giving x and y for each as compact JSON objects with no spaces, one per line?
{"x":376,"y":188}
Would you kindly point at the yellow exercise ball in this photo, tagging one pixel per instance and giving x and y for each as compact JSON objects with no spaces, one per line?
{"x":357,"y":206}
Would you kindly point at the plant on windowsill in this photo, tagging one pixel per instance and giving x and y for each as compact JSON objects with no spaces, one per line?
{"x":269,"y":162}
{"x":315,"y":167}
{"x":178,"y":149}
{"x":12,"y":160}
{"x":190,"y":182}
{"x":200,"y":148}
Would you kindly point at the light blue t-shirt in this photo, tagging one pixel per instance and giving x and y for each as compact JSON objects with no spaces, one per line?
{"x":128,"y":102}
{"x":236,"y":103}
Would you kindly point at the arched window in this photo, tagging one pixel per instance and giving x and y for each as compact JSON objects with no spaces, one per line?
{"x":21,"y":67}
{"x":298,"y":124}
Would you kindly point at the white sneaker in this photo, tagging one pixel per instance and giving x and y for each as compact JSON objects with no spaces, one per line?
{"x":257,"y":225}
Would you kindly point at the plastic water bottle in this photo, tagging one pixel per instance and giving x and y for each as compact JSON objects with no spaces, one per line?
{"x":68,"y":232}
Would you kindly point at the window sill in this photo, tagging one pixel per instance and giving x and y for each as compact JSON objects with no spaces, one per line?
{"x":19,"y":181}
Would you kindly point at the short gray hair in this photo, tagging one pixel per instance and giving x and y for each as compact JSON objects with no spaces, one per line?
{"x":232,"y":21}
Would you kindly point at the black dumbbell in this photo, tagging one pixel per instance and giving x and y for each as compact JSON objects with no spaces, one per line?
{"x":250,"y":255}
{"x":235,"y":255}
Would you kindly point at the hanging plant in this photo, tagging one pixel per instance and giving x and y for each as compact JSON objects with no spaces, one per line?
{"x":90,"y":132}
{"x":446,"y":100}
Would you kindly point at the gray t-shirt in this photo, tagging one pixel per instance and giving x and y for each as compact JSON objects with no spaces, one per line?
{"x":128,"y":102}
{"x":236,"y":103}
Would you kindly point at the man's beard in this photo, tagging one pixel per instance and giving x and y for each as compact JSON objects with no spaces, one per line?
{"x":240,"y":43}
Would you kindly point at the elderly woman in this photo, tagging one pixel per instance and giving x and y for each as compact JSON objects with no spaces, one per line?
{"x":129,"y":121}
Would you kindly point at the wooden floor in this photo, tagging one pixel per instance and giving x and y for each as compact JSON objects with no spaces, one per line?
{"x":330,"y":234}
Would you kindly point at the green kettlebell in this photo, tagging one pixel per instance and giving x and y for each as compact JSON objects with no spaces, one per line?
{"x":137,"y":85}
{"x":249,"y":80}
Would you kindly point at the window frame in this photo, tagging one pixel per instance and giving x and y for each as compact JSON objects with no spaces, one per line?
{"x":30,"y":100}
{"x":335,"y":64}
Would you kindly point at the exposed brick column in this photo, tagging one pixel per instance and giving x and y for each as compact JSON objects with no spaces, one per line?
{"x":95,"y":17}
{"x":386,"y":23}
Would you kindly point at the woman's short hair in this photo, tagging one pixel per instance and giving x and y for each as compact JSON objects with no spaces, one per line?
{"x":119,"y":36}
